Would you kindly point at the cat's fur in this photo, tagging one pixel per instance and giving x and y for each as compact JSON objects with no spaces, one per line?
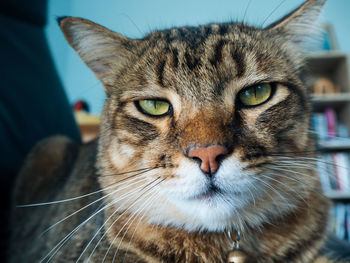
{"x":265,"y":185}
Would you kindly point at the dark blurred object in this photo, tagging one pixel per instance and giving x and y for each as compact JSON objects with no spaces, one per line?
{"x":29,"y":11}
{"x":81,"y":105}
{"x":336,"y":249}
{"x":33,"y":104}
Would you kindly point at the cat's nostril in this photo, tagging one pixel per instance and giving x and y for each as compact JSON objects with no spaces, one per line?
{"x":197,"y":159}
{"x":220,"y":157}
{"x":209,"y":157}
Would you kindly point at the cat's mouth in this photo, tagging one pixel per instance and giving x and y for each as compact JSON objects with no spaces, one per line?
{"x":208,"y":193}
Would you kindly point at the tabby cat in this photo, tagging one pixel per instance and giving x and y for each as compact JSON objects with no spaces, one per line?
{"x":204,"y":153}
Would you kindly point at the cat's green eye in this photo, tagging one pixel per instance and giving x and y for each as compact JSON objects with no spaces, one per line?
{"x":255,"y":95}
{"x":154,"y":107}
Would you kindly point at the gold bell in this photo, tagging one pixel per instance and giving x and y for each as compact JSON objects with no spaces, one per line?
{"x":236,"y":256}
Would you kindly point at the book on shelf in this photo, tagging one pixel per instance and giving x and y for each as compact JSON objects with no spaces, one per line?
{"x":331,"y":123}
{"x":330,"y":132}
{"x":334,"y":171}
{"x":340,"y":221}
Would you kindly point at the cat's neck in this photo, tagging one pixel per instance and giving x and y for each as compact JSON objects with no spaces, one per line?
{"x":167,"y":244}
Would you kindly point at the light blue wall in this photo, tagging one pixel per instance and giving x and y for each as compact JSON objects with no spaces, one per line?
{"x":134,"y":18}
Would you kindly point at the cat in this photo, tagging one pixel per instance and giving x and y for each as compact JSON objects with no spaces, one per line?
{"x":204,"y":151}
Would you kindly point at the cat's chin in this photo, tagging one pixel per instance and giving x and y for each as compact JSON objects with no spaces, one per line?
{"x":212,"y":213}
{"x":207,"y":212}
{"x":216,"y":211}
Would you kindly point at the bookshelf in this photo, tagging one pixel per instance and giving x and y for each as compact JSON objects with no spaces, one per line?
{"x":331,"y":122}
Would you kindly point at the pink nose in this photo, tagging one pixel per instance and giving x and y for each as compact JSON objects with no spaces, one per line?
{"x":208,"y":157}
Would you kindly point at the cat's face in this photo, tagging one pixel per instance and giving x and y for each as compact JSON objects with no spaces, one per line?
{"x":202,"y":115}
{"x":202,"y":83}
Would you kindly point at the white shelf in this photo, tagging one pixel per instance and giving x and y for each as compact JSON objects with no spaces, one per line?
{"x":338,"y":195}
{"x":325,"y":55}
{"x":341,"y":144}
{"x":331,"y":98}
{"x":337,"y":101}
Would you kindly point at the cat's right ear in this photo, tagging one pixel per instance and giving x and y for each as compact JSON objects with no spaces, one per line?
{"x":103,"y":50}
{"x":299,"y":24}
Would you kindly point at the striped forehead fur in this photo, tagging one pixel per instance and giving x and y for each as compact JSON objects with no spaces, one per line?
{"x":202,"y":68}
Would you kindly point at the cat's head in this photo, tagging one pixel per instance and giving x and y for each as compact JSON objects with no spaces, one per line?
{"x":199,"y":122}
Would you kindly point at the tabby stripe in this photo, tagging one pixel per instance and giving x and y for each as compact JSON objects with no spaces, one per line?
{"x":255,"y":152}
{"x":182,"y":33}
{"x":239,"y":59}
{"x":223,"y":29}
{"x":207,"y":31}
{"x":153,"y":250}
{"x":140,"y":128}
{"x":160,"y":72}
{"x":217,"y":58}
{"x":175,"y":58}
{"x":296,"y":89}
{"x":301,"y":248}
{"x":111,"y":115}
{"x":294,"y":113}
{"x":191,"y":61}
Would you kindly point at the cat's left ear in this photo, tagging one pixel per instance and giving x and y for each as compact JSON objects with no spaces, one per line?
{"x":300,"y":23}
{"x":104,"y":51}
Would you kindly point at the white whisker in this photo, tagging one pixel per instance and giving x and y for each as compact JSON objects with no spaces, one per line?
{"x":89,"y":194}
{"x":287,"y":187}
{"x":86,"y":206}
{"x":141,"y":188}
{"x":134,"y":216}
{"x":273,"y":189}
{"x":55,"y":249}
{"x":250,"y":192}
{"x":137,"y":199}
{"x":312,"y":159}
{"x":298,"y":164}
{"x":310,"y":177}
{"x":133,"y":234}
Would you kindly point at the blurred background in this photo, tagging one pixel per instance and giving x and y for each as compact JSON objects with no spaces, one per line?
{"x":135,"y":18}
